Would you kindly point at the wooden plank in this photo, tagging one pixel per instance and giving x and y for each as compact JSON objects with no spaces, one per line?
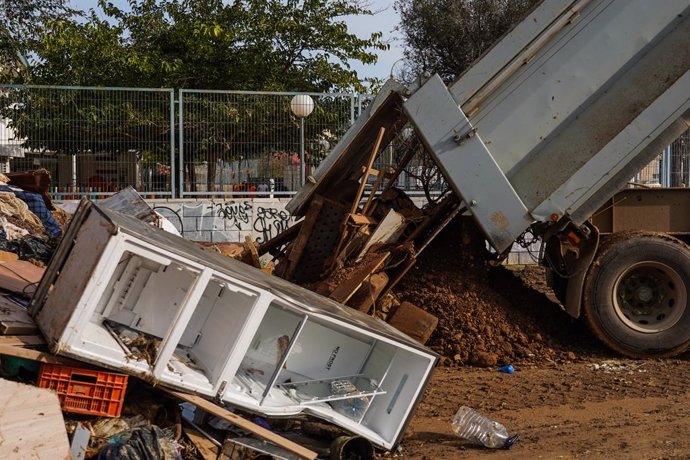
{"x":399,"y":275}
{"x":243,"y":423}
{"x":402,"y":164}
{"x":348,"y":287}
{"x":35,"y":355}
{"x":345,"y":232}
{"x":204,"y":446}
{"x":280,"y":239}
{"x":439,"y":228}
{"x":368,"y":294}
{"x":372,"y":171}
{"x":372,"y":157}
{"x":22,"y":340}
{"x":6,"y":256}
{"x":305,"y":231}
{"x":413,"y":321}
{"x":31,"y":423}
{"x":20,"y":276}
{"x":441,"y":208}
{"x":15,"y":320}
{"x":345,"y":236}
{"x":388,"y":231}
{"x":377,"y":183}
{"x":359,"y":219}
{"x":14,"y":328}
{"x":253,"y":253}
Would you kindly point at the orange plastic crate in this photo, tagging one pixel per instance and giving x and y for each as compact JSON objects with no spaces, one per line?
{"x":84,"y":391}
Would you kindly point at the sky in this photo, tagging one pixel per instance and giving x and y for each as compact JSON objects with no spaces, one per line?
{"x":384,"y":20}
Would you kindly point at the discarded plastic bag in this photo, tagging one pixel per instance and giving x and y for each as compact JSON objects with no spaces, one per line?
{"x":143,"y":443}
{"x":473,"y":426}
{"x":29,"y":248}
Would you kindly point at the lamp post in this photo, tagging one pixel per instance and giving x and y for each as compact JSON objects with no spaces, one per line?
{"x":301,"y":106}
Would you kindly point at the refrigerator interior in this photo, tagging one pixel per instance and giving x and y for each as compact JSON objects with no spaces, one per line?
{"x":301,"y":361}
{"x":204,"y":354}
{"x":147,"y":304}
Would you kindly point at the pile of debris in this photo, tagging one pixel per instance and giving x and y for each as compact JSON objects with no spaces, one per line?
{"x":30,"y":228}
{"x":160,"y":347}
{"x":355,"y":250}
{"x":125,"y":308}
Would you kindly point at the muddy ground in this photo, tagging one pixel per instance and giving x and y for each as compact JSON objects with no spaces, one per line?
{"x":625,"y":409}
{"x":569,"y":398}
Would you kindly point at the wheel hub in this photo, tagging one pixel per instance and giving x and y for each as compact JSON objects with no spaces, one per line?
{"x":645,"y":294}
{"x":649,"y":297}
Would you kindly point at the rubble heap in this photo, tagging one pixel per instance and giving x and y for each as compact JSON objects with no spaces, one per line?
{"x":488,"y":315}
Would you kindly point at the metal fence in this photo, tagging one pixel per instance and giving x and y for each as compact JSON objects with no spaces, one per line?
{"x":94,"y":141}
{"x":244,"y":143}
{"x":165,"y":143}
{"x":670,"y":169}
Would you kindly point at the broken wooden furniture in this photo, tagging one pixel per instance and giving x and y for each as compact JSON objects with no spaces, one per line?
{"x":360,"y":234}
{"x":122,"y":294}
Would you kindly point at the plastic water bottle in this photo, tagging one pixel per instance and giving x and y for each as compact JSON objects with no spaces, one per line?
{"x":473,"y":426}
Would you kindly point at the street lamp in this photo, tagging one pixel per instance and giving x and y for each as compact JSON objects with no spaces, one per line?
{"x":302,"y":105}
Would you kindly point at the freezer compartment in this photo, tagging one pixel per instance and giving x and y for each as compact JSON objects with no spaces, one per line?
{"x":203,"y":357}
{"x":164,"y":318}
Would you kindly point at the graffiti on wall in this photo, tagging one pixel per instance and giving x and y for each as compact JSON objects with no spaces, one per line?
{"x":269,"y":222}
{"x":173,"y":215}
{"x":263,"y":219}
{"x":235,"y":211}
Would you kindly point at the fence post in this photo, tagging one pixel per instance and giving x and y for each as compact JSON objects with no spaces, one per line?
{"x":172,"y":144}
{"x":180,"y":109}
{"x":666,"y":164}
{"x":353,"y":100}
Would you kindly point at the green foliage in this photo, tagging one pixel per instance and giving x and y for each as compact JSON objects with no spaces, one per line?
{"x":207,"y":44}
{"x":447,"y":36}
{"x":19,"y":23}
{"x":77,"y":121}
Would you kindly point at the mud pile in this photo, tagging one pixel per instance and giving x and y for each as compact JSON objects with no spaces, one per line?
{"x":489,"y":315}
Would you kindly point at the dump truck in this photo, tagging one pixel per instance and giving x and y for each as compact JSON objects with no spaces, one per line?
{"x":537,"y":139}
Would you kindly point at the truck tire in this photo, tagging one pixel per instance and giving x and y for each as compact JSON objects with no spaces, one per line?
{"x":636,"y":295}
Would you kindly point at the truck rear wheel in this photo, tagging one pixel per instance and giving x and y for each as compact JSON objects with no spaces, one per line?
{"x":636,"y":295}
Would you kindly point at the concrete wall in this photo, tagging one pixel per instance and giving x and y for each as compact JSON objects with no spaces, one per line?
{"x":226,"y":220}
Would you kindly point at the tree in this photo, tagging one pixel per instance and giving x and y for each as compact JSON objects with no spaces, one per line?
{"x":207,"y":44}
{"x":446,"y":36}
{"x":19,"y":22}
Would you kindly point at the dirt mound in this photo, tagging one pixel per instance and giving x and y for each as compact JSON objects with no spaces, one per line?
{"x":488,"y":315}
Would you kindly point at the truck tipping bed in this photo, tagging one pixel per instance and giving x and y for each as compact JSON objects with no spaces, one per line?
{"x":549,"y":123}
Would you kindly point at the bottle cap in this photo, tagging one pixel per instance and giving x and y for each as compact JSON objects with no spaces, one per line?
{"x":510,"y":441}
{"x":509,"y":369}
